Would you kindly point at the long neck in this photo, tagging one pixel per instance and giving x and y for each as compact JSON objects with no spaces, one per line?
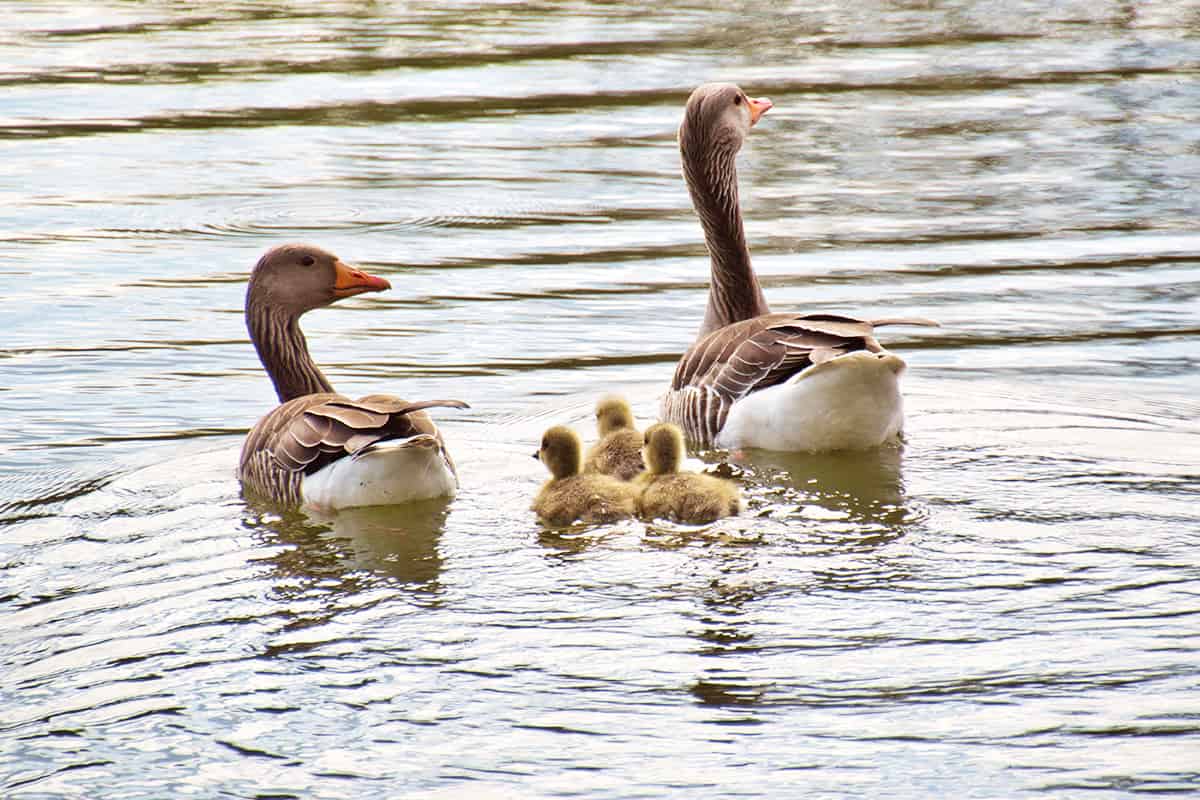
{"x":734,"y":293}
{"x":283,"y":352}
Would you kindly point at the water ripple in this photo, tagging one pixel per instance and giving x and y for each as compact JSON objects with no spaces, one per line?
{"x":975,"y":611}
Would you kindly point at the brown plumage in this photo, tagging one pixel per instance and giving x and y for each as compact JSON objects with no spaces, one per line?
{"x":741,"y":347}
{"x":667,"y":492}
{"x":313,"y":426}
{"x":571,"y":496}
{"x":754,"y":354}
{"x":618,"y":452}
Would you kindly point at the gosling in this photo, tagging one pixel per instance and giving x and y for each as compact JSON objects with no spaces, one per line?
{"x":618,"y":453}
{"x":570,"y":495}
{"x":686,"y":497}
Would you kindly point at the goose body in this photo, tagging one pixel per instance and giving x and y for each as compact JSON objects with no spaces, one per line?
{"x":320,"y":448}
{"x":752,"y":378}
{"x":329,"y":452}
{"x":851,"y":402}
{"x":618,"y":452}
{"x":666,"y":492}
{"x":572,"y":496}
{"x":368,"y":477}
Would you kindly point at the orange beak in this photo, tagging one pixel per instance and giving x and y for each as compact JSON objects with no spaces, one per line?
{"x":351,"y":281}
{"x":758,"y":107}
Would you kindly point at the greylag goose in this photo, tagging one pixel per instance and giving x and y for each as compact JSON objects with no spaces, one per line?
{"x":318,"y":447}
{"x":667,"y":492}
{"x":752,"y":378}
{"x":570,"y":495}
{"x":618,"y":452}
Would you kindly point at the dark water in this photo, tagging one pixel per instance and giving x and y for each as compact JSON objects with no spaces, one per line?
{"x":1009,"y":606}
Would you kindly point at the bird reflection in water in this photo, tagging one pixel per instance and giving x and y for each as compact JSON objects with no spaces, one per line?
{"x":574,"y":540}
{"x":863,"y":487}
{"x":357,"y":548}
{"x":725,"y":615}
{"x":854,"y":504}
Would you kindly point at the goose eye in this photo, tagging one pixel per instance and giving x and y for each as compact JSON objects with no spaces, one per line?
{"x":308,"y":261}
{"x":737,"y":101}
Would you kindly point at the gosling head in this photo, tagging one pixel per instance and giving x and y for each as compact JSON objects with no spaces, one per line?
{"x":612,"y":414}
{"x":663,"y":449}
{"x":295,"y":278}
{"x":561,"y":452}
{"x":716,"y":120}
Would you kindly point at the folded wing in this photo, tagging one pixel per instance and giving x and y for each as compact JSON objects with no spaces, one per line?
{"x":306,"y":434}
{"x":755,"y":354}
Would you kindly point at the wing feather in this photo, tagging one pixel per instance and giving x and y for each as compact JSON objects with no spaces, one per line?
{"x":736,"y":360}
{"x":303,"y":435}
{"x":350,"y":414}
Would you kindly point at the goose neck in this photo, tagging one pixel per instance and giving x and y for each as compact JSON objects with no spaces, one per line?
{"x":734,"y":290}
{"x":284,"y":352}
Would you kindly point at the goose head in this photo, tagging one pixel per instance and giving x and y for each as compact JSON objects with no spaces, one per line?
{"x":613,"y":413}
{"x":716,"y":120}
{"x":561,"y":451}
{"x":663,"y":449}
{"x":295,"y":278}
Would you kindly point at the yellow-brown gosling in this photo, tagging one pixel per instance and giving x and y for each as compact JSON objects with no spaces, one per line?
{"x":570,"y":495}
{"x":619,"y":450}
{"x":686,"y":497}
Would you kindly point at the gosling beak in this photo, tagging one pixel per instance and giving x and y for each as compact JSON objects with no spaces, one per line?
{"x":350,"y":281}
{"x":537,"y":455}
{"x":758,"y":107}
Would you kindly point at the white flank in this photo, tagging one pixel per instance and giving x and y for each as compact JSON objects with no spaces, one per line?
{"x":851,"y":402}
{"x":386,"y":473}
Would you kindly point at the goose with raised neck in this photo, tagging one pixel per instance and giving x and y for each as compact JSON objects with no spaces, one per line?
{"x":319,"y":448}
{"x":708,"y":153}
{"x":753,"y":378}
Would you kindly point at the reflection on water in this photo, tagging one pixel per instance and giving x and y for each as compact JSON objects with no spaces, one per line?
{"x":356,"y":547}
{"x":711,"y":693}
{"x":1004,"y":606}
{"x":866,"y":487}
{"x":563,"y":543}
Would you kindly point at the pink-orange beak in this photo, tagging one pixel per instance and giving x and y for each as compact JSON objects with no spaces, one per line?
{"x":758,"y":107}
{"x":351,"y":281}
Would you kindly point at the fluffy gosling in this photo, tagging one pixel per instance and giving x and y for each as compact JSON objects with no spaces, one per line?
{"x":569,"y":495}
{"x":686,"y":497}
{"x":618,"y":453}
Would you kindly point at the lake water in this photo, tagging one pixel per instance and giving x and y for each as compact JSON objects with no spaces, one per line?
{"x":1008,"y":606}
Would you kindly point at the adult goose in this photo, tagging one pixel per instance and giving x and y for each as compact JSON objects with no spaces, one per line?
{"x":752,"y":378}
{"x":320,"y":448}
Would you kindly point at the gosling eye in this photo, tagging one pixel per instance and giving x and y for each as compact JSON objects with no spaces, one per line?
{"x":308,"y":261}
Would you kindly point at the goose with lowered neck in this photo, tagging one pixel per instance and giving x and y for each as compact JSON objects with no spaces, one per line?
{"x":320,"y":448}
{"x":753,"y":378}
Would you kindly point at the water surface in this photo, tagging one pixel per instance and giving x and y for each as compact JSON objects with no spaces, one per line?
{"x":1005,"y":606}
